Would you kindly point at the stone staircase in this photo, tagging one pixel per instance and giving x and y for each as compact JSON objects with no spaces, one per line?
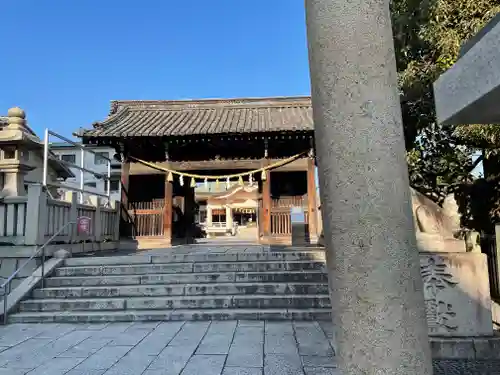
{"x":287,"y":285}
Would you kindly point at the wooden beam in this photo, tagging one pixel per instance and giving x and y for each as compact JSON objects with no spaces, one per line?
{"x":125,"y":223}
{"x":167,"y":211}
{"x":266,"y":206}
{"x":312,"y":203}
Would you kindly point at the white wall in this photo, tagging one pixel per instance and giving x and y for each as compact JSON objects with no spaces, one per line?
{"x":89,"y":163}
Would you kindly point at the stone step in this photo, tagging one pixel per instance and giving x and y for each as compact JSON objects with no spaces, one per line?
{"x":148,"y":269}
{"x":181,"y":289}
{"x":190,"y":278}
{"x":236,"y":256}
{"x":170,"y":315}
{"x":177,"y":302}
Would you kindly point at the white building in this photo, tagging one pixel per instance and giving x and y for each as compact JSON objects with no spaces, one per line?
{"x":93,"y":162}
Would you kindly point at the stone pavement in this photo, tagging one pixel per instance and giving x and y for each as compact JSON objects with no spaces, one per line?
{"x":168,"y":348}
{"x":185,"y":348}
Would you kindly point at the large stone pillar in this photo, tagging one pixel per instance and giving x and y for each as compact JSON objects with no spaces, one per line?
{"x":373,"y":262}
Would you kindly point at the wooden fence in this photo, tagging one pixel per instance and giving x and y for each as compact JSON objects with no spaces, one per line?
{"x":33,"y":219}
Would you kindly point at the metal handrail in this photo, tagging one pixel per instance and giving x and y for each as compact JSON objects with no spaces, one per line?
{"x":6,"y":286}
{"x":81,"y":167}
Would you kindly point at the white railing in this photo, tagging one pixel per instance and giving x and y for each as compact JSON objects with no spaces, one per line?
{"x":47,"y":154}
{"x":33,"y":219}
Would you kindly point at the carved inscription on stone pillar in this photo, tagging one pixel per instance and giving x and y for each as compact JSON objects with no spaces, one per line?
{"x":437,"y":281}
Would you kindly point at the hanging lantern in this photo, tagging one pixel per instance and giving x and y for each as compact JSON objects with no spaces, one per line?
{"x":240,"y":181}
{"x":206,"y":183}
{"x":263,"y":175}
{"x":181,"y":180}
{"x":170,"y":177}
{"x":193,"y":182}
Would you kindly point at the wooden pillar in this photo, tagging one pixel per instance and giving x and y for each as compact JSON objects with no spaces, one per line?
{"x":266,"y":207}
{"x":167,"y":211}
{"x":125,"y":222}
{"x":189,"y":207}
{"x":312,"y":201}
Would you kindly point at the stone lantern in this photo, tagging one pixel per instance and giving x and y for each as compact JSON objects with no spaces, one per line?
{"x":16,"y":143}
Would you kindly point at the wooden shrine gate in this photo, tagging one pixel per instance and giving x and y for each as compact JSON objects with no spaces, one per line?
{"x":147,"y":217}
{"x":281,"y":224}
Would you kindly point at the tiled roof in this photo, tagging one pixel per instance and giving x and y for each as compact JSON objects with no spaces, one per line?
{"x":208,"y":116}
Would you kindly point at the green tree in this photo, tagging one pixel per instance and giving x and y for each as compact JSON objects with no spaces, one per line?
{"x":428,"y":35}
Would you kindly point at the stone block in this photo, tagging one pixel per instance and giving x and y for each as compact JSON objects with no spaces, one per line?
{"x":487,"y":348}
{"x":457,"y":295}
{"x":205,"y":364}
{"x":452,"y":349}
{"x":468,"y":92}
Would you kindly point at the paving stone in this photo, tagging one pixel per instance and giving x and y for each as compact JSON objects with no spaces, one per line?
{"x":10,"y":339}
{"x":94,"y":327}
{"x":131,"y":364}
{"x":171,"y":361}
{"x":318,"y":361}
{"x":9,"y":371}
{"x":16,"y":353}
{"x":57,"y":330}
{"x":158,"y":339}
{"x":218,"y":338}
{"x":250,"y":323}
{"x":247,"y":349}
{"x":322,"y":371}
{"x":242,"y":371}
{"x":279,"y":328}
{"x":279,"y":364}
{"x":112,"y":329}
{"x":86,"y":372}
{"x":104,"y":358}
{"x":280,"y":344}
{"x":56,"y":366}
{"x":144,"y":325}
{"x":190,"y":335}
{"x":35,"y":358}
{"x":129,"y":337}
{"x":312,"y":340}
{"x":86,"y":348}
{"x":204,"y":365}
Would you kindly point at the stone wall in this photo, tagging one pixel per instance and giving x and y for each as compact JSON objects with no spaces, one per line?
{"x":9,"y":265}
{"x":457,"y":294}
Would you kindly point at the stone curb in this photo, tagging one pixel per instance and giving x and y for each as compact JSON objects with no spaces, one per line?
{"x":480,"y":348}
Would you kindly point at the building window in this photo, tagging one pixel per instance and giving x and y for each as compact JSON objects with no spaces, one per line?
{"x":99,"y":158}
{"x":69,"y":158}
{"x":91,"y":184}
{"x":114,"y":187}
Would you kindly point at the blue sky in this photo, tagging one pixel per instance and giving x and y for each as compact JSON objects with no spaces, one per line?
{"x":63,"y":61}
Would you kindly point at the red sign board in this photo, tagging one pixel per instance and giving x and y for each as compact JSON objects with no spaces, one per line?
{"x":83,"y":224}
